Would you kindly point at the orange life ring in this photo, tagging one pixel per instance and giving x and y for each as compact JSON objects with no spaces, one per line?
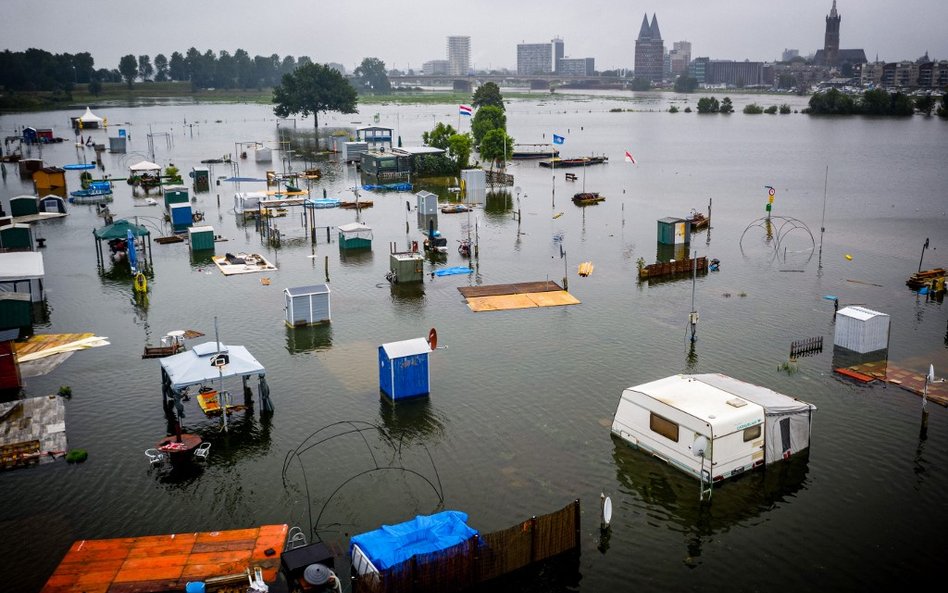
{"x":433,"y":338}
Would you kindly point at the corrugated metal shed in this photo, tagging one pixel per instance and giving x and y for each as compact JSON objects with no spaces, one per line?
{"x":175,"y":194}
{"x":307,"y":305}
{"x":475,"y":185}
{"x":861,"y":330}
{"x":403,"y":368}
{"x":427,"y":202}
{"x":201,"y":238}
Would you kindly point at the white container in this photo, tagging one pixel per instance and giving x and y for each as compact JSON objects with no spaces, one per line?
{"x":861,"y":330}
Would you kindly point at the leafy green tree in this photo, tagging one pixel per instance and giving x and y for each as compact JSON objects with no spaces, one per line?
{"x":225,"y":74}
{"x":486,"y":119}
{"x":875,"y":102}
{"x":708,"y":105}
{"x":771,"y":110}
{"x":245,"y":69}
{"x":832,"y":102}
{"x":641,"y":84}
{"x":95,"y":87}
{"x":145,"y":69}
{"x":673,"y":109}
{"x":128,"y":66}
{"x":439,"y":136}
{"x":753,"y":109}
{"x":371,"y":75}
{"x":685,"y":84}
{"x":459,"y":148}
{"x":311,"y":89}
{"x":177,"y":67}
{"x":488,"y":94}
{"x":495,"y":145}
{"x":726,"y":105}
{"x":786,"y":81}
{"x":784,"y":109}
{"x":925,"y":104}
{"x":943,"y":108}
{"x":901,"y":104}
{"x":84,"y":67}
{"x":161,"y":68}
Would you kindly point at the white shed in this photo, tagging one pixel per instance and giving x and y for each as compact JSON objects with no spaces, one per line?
{"x":861,"y":330}
{"x":307,"y":305}
{"x":427,"y":202}
{"x":23,"y":272}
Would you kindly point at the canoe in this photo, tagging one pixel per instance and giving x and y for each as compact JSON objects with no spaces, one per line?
{"x":78,"y":166}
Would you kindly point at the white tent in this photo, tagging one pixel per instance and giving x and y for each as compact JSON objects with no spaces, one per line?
{"x":90,"y":118}
{"x":22,"y":271}
{"x":144,"y":166}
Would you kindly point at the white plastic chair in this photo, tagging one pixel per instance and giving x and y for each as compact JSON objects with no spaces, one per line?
{"x":155,"y":457}
{"x":203,"y":450}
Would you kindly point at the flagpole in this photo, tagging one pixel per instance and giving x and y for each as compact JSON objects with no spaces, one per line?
{"x":553,"y":168}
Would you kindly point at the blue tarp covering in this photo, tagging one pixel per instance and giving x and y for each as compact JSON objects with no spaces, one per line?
{"x":453,"y":271}
{"x":393,"y":544}
{"x":385,"y":186}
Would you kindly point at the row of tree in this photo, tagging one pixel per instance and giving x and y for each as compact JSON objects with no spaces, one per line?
{"x":712,"y":105}
{"x":39,"y":70}
{"x":874,"y":102}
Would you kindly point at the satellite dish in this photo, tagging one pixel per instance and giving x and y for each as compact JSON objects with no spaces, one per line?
{"x":607,"y":511}
{"x":700,"y":446}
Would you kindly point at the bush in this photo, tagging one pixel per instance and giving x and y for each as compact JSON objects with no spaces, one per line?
{"x":771,"y":110}
{"x":77,"y":456}
{"x":784,"y":109}
{"x":708,"y":105}
{"x":753,"y":109}
{"x":726,"y":105}
{"x":687,"y":109}
{"x":65,"y":391}
{"x":673,"y":109}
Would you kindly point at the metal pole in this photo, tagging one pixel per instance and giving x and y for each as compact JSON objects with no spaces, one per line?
{"x":220,"y":373}
{"x":823,"y":220}
{"x":924,"y":247}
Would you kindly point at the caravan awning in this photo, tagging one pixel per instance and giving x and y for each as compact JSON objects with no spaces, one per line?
{"x":194,"y":367}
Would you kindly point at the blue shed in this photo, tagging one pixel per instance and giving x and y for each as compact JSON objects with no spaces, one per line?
{"x":181,"y":217}
{"x":403,"y":369}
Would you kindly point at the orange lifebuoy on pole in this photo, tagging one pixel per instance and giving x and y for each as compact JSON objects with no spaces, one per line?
{"x":433,"y":338}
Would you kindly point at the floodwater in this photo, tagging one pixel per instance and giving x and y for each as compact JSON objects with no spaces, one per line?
{"x":518,"y":419}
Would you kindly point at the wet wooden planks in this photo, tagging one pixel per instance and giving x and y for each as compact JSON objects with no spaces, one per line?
{"x":505,"y":289}
{"x":526,"y":295}
{"x":41,"y":342}
{"x":156,"y":563}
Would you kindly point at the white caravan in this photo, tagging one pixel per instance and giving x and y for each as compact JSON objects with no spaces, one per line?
{"x":712,"y":426}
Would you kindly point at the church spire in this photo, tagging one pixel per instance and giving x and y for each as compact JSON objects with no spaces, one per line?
{"x":644,"y":31}
{"x":833,"y":13}
{"x":656,"y":34}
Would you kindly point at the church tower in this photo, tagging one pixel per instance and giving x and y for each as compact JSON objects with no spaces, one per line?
{"x":831,"y":41}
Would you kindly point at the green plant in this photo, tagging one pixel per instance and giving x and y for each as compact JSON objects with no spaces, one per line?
{"x":753,"y":109}
{"x":771,"y":110}
{"x":687,"y":109}
{"x":784,"y":109}
{"x":790,"y":367}
{"x":673,"y":109}
{"x":65,"y":391}
{"x":77,"y":456}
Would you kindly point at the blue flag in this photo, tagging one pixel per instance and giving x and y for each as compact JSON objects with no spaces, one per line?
{"x":558,"y":139}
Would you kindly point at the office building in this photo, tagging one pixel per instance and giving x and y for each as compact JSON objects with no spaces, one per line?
{"x":577,"y":66}
{"x":649,"y":51}
{"x":459,"y":56}
{"x":435,"y":68}
{"x":680,"y":57}
{"x":534,"y":58}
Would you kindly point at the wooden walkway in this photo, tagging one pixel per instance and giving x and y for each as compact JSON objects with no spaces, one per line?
{"x":159,"y":563}
{"x":502,"y":289}
{"x":909,"y":380}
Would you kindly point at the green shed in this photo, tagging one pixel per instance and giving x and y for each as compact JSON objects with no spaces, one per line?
{"x":355,"y":235}
{"x":16,"y":312}
{"x":674,"y":231}
{"x":24,"y":206}
{"x":201,"y":238}
{"x":175,"y":194}
{"x":202,"y":178}
{"x":16,"y":237}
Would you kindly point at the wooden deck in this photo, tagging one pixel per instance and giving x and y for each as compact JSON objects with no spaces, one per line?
{"x":682,"y":266}
{"x":526,"y":295}
{"x":160,"y":563}
{"x":32,"y":430}
{"x":909,"y":380}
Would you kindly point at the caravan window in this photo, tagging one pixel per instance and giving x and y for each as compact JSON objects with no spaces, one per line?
{"x":664,"y":427}
{"x":752,"y":433}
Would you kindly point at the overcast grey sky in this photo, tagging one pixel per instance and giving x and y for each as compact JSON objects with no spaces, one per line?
{"x":409,"y":32}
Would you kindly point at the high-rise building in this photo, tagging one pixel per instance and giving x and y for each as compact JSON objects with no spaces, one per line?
{"x":534,"y":58}
{"x":680,"y":57}
{"x":459,"y":55}
{"x":558,"y":53}
{"x":649,"y":51}
{"x":577,"y":66}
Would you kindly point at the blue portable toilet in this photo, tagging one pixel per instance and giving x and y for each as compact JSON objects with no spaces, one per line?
{"x":403,"y":369}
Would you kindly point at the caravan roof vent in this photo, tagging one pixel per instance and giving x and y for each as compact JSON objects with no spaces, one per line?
{"x":736,"y":402}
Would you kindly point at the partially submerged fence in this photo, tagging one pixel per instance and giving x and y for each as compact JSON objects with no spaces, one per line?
{"x":481,"y":558}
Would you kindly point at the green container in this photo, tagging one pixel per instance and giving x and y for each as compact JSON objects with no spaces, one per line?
{"x":15,"y":311}
{"x":16,"y":237}
{"x":175,"y":194}
{"x":674,"y":231}
{"x":201,"y":238}
{"x":202,"y":178}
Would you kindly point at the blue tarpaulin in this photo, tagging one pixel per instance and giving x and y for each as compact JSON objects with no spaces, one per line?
{"x":452,"y":271}
{"x":393,"y":544}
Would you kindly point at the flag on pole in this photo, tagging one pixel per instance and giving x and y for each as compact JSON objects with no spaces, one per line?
{"x":465,"y":110}
{"x":558,"y":139}
{"x":629,"y":158}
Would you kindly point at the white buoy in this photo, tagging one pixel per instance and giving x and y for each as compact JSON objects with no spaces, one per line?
{"x":606,"y":510}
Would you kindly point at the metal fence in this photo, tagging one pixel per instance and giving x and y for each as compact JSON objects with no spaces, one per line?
{"x":481,"y":558}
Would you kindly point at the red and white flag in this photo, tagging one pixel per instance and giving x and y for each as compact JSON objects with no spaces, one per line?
{"x":629,"y":158}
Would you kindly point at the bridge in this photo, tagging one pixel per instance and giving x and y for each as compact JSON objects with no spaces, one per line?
{"x":534,"y":81}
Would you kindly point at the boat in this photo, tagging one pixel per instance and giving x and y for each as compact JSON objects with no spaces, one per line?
{"x":324,"y":203}
{"x":225,"y":159}
{"x":533,"y":151}
{"x":90,"y":196}
{"x":78,"y":166}
{"x":698,"y":221}
{"x":436,"y":243}
{"x":358,"y":204}
{"x":455,"y":208}
{"x":933,"y":279}
{"x":577,"y":162}
{"x":588,"y":197}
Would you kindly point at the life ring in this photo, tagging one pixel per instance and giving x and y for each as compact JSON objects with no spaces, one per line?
{"x":433,"y":338}
{"x":141,"y":283}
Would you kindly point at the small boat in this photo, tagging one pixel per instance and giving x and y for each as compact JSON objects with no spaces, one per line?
{"x":698,"y":221}
{"x":359,"y":204}
{"x":90,"y":196}
{"x":324,"y":203}
{"x":533,"y":151}
{"x":455,"y":208}
{"x":436,"y":243}
{"x":78,"y":166}
{"x":587,"y":198}
{"x":219,"y":161}
{"x":577,"y":162}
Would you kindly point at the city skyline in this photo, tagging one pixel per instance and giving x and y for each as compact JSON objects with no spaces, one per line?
{"x":606,"y":31}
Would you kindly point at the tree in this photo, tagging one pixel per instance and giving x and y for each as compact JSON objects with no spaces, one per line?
{"x":95,"y":87}
{"x":726,"y":105}
{"x":925,"y":104}
{"x":311,"y":89}
{"x":771,"y":110}
{"x":487,"y":119}
{"x":784,"y":109}
{"x":459,"y":148}
{"x":753,"y":109}
{"x":943,"y":108}
{"x":641,"y":84}
{"x":161,"y":68}
{"x":245,"y":71}
{"x":371,"y":75}
{"x":495,"y":145}
{"x":128,"y":66}
{"x":439,"y":136}
{"x":488,"y":94}
{"x":145,"y":69}
{"x":832,"y":102}
{"x":708,"y":105}
{"x":786,"y":81}
{"x":685,"y":84}
{"x":177,"y":67}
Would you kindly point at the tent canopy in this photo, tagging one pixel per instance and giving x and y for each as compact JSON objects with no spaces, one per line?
{"x":194,"y":367}
{"x":144,"y":166}
{"x":89,"y":117}
{"x":21,"y":265}
{"x":119,"y":230}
